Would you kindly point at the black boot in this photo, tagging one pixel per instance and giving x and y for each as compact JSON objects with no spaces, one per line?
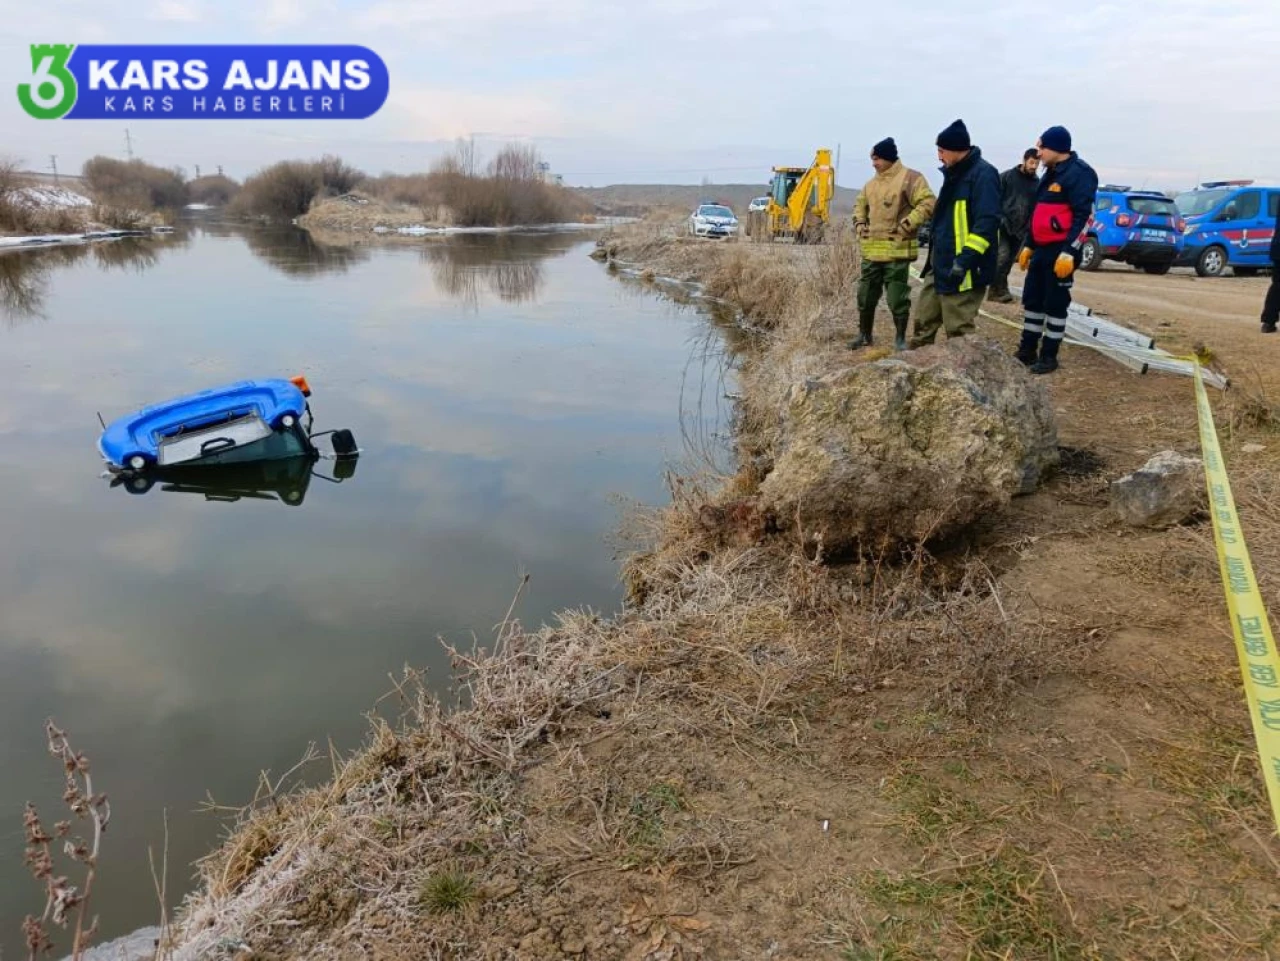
{"x":1026,"y":354}
{"x":1048,"y":361}
{"x":864,"y":333}
{"x":900,"y":333}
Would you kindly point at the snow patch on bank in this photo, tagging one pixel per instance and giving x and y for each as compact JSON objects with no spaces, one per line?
{"x":52,"y":198}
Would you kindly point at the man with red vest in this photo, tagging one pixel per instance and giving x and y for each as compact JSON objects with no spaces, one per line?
{"x":1051,"y":252}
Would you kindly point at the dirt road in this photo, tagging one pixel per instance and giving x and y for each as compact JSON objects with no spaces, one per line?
{"x":1177,"y":295}
{"x":1183,"y":311}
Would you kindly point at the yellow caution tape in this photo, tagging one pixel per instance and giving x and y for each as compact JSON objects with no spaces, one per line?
{"x":1259,"y":662}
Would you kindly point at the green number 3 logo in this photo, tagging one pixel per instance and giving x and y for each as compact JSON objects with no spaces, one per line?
{"x":52,"y":90}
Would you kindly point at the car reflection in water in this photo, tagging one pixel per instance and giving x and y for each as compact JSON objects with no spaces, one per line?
{"x":284,"y":479}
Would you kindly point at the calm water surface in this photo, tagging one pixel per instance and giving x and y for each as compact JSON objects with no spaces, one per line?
{"x":504,"y":390}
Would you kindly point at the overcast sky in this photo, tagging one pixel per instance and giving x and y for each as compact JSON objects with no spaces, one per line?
{"x":677,"y":90}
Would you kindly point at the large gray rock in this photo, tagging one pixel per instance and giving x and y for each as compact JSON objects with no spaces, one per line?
{"x":916,"y":445}
{"x":1167,"y":490}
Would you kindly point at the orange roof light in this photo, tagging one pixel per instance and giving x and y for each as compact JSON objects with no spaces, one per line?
{"x":301,"y":383}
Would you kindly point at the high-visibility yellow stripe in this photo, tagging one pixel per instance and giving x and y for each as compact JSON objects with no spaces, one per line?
{"x":1255,"y":645}
{"x":978,"y":243}
{"x":960,"y":223}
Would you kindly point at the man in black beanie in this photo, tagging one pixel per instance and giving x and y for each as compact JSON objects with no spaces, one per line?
{"x":1051,"y":252}
{"x":1018,"y":195}
{"x":962,"y":246}
{"x":887,"y":217}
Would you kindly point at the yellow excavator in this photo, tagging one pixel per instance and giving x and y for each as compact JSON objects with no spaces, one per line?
{"x":799,"y":203}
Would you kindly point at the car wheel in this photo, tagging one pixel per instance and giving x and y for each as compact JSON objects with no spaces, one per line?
{"x":1212,"y":262}
{"x":1156,"y":268}
{"x":139,"y":485}
{"x":1245,"y":271}
{"x":1091,"y":254}
{"x":135,"y":462}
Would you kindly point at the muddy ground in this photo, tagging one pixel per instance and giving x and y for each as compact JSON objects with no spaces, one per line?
{"x":1030,"y":742}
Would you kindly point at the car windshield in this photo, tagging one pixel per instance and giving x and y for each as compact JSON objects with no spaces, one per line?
{"x":1196,"y":202}
{"x":710,"y":211}
{"x":1153,"y":205}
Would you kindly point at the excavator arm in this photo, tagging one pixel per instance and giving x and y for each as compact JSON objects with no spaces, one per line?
{"x":800,"y":201}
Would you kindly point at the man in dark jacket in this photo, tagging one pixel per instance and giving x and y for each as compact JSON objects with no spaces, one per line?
{"x":1271,"y":306}
{"x":962,"y":248}
{"x":1018,"y":195}
{"x":1051,"y":252}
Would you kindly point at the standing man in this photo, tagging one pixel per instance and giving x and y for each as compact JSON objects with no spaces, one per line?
{"x":1271,"y":307}
{"x":1018,"y":192}
{"x":887,"y":216}
{"x":962,"y":248}
{"x":1051,"y":252}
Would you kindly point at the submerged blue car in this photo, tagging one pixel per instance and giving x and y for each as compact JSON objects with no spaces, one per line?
{"x":250,"y":420}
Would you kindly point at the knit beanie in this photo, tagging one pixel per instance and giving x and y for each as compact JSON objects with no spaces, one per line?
{"x":1057,"y":138}
{"x":886,"y":149}
{"x":955,"y":137}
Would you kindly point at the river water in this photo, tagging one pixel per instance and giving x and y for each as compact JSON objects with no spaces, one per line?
{"x":505,"y":392}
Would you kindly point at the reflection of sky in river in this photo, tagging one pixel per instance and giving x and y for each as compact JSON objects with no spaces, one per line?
{"x":500,"y":400}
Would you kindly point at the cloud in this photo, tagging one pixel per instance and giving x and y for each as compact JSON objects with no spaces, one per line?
{"x":658,"y":91}
{"x":177,"y":11}
{"x":429,"y":113}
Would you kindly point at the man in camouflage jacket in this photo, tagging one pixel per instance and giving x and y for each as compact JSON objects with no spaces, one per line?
{"x":887,"y":217}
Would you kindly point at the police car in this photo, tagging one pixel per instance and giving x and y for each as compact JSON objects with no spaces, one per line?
{"x":1229,"y":223}
{"x":1138,"y":227}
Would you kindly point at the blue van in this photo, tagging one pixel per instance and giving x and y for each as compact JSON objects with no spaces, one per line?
{"x":1230,"y":223}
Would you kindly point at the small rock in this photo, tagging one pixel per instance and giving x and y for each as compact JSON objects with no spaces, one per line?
{"x":1253,"y":448}
{"x":573,"y":946}
{"x":501,"y":888}
{"x":1167,"y":490}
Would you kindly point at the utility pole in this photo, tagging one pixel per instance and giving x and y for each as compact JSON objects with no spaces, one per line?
{"x":197,"y":171}
{"x":219,"y":170}
{"x":128,"y":144}
{"x":53,"y":162}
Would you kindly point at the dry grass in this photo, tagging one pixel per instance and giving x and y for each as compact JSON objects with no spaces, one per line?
{"x":133,"y":184}
{"x":19,"y":216}
{"x":1025,"y":745}
{"x":216,"y":190}
{"x":287,"y":189}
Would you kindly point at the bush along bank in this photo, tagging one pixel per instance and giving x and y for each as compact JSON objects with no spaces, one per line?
{"x":809,"y":735}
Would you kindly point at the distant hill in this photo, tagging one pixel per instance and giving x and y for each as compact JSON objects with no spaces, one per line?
{"x":633,"y":199}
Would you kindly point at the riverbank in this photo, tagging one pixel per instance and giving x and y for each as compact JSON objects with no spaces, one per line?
{"x":361,"y":213}
{"x":61,"y":240}
{"x":1029,"y":742}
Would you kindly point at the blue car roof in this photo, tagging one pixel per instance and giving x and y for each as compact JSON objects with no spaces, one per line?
{"x":142,"y":431}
